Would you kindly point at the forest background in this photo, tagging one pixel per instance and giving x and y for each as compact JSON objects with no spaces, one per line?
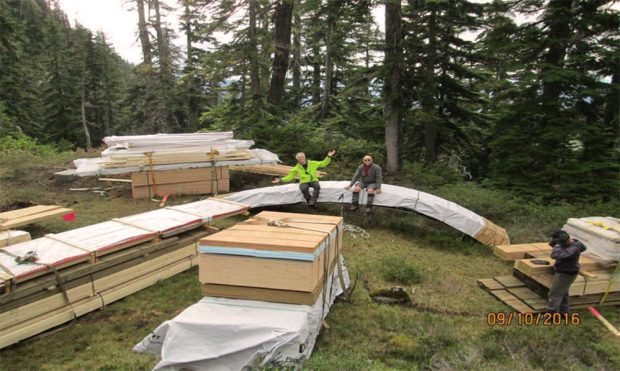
{"x":519,"y":95}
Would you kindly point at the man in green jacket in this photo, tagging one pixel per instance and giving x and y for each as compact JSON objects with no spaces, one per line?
{"x":306,"y":170}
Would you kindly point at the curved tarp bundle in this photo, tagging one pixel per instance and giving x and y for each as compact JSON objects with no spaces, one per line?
{"x":438,"y":208}
{"x":601,"y":235}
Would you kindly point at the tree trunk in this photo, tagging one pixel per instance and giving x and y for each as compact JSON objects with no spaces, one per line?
{"x":188,"y":35}
{"x":144,"y":34}
{"x":392,"y":106}
{"x":428,"y":92}
{"x":161,"y":41}
{"x":559,"y":13}
{"x":297,"y":57}
{"x":316,"y":75}
{"x":254,"y":65}
{"x":84,"y":123}
{"x":329,"y":65}
{"x":283,"y":23}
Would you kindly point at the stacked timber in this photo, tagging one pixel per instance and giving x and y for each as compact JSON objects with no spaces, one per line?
{"x":33,"y":214}
{"x":57,"y":278}
{"x":277,"y":257}
{"x":598,"y":281}
{"x":601,"y":235}
{"x":165,"y":149}
{"x":270,"y":169}
{"x":185,"y":181}
{"x":12,"y":237}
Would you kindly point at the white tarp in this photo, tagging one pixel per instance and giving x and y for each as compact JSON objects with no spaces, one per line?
{"x":601,"y":235}
{"x":92,"y":167}
{"x":234,"y":334}
{"x":103,"y":236}
{"x":445,"y":211}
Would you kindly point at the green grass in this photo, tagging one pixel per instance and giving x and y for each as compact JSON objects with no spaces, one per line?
{"x":446,"y":329}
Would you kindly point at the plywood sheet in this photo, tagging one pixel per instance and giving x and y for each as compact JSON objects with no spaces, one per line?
{"x":188,"y":188}
{"x":178,"y":176}
{"x":12,"y":237}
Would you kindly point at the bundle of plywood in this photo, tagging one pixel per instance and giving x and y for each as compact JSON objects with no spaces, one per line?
{"x":53,"y":279}
{"x":186,"y":181}
{"x":598,"y":281}
{"x":601,"y":235}
{"x":278,"y":257}
{"x":163,"y":149}
{"x":12,"y":237}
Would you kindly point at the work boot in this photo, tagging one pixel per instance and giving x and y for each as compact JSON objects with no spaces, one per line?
{"x":354,"y":207}
{"x":312,"y":204}
{"x":368,"y":209}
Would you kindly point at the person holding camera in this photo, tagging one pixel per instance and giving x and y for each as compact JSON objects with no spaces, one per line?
{"x":306,"y":170}
{"x":370,"y":178}
{"x":566,"y":252}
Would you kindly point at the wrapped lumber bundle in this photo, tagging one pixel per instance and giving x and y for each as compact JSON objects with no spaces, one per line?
{"x":601,"y":235}
{"x":186,"y":181}
{"x":12,"y":237}
{"x":54,"y":279}
{"x":276,"y":257}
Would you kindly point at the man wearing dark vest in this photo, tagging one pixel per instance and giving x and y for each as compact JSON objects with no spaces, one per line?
{"x":566,"y":252}
{"x":367,"y":176}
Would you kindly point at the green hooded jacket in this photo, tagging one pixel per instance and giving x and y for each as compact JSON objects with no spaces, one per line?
{"x":309,"y":175}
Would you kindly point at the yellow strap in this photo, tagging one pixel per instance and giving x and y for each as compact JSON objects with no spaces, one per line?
{"x":149,"y":155}
{"x":603,"y":225}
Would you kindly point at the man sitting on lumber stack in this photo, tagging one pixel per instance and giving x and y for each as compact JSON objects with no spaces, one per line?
{"x":566,"y":252}
{"x":306,"y":169}
{"x":370,"y":178}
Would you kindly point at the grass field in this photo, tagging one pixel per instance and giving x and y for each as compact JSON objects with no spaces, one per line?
{"x":446,"y":329}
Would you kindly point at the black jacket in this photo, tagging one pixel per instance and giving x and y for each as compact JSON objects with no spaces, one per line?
{"x":567,"y":257}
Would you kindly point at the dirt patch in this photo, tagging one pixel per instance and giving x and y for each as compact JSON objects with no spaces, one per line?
{"x":16,"y":205}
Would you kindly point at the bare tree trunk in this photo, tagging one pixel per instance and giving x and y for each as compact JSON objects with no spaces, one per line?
{"x":392,"y":106}
{"x":84,"y":123}
{"x":188,"y":34}
{"x":297,"y":56}
{"x":254,"y":65}
{"x":316,"y":75}
{"x":283,"y":23}
{"x":144,"y":34}
{"x":428,"y":93}
{"x":161,"y":41}
{"x":329,"y":65}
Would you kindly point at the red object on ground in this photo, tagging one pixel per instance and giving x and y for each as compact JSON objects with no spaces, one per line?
{"x":69,"y":217}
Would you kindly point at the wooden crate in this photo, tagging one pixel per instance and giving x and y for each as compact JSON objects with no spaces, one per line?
{"x":255,"y":255}
{"x":186,"y":181}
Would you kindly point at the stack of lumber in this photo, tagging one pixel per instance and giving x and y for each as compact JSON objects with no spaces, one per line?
{"x":527,"y":289}
{"x":277,"y":257}
{"x":12,"y":237}
{"x":174,"y":182}
{"x":28,"y":215}
{"x":271,"y":169}
{"x":162,"y":149}
{"x":601,"y":235}
{"x":85,"y":269}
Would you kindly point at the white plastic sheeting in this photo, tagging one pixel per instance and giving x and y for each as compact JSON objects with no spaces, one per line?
{"x":78,"y":244}
{"x":166,"y":140}
{"x":233,"y":334}
{"x":438,"y":208}
{"x":49,"y":252}
{"x":91,"y":166}
{"x":601,"y":235}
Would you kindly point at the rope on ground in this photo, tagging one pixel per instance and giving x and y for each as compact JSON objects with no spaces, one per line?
{"x":355,"y":231}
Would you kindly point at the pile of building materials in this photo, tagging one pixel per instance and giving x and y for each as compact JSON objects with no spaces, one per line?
{"x":435,"y":207}
{"x":269,"y":283}
{"x":12,"y":237}
{"x":271,"y":169}
{"x":141,"y":153}
{"x":32,"y":214}
{"x":172,"y":182}
{"x":51,"y":280}
{"x":601,"y":235}
{"x":527,"y":289}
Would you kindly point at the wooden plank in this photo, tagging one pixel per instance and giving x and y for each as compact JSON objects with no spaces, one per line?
{"x":509,"y":281}
{"x":490,"y":284}
{"x":523,"y":293}
{"x":27,"y":211}
{"x":28,"y":219}
{"x":272,"y":169}
{"x":52,"y":319}
{"x":179,"y":176}
{"x":12,"y":237}
{"x":229,"y":240}
{"x":253,"y":293}
{"x":198,"y":187}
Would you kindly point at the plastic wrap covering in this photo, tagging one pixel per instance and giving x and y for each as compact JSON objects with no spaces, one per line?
{"x":48,"y":252}
{"x":233,"y":334}
{"x":601,"y":235}
{"x":166,"y":140}
{"x":104,"y":236}
{"x":210,"y":209}
{"x":92,"y":166}
{"x":445,"y":211}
